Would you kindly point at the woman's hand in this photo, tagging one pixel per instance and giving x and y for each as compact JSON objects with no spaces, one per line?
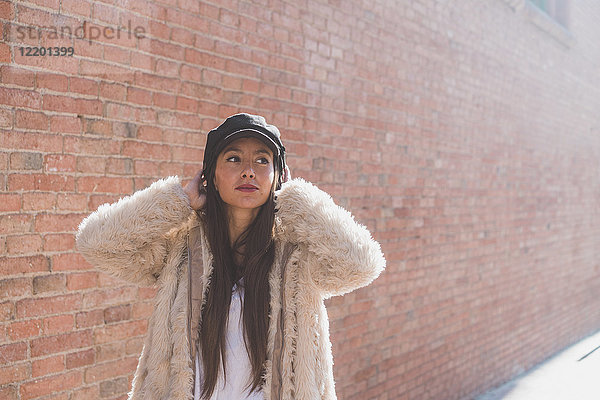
{"x":193,"y":190}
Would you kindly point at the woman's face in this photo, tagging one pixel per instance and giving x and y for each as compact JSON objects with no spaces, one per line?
{"x":244,"y":174}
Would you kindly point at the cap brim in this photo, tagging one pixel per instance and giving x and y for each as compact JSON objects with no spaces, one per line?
{"x":248,"y":132}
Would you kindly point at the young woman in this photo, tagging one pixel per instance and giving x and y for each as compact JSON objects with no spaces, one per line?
{"x":243,"y":258}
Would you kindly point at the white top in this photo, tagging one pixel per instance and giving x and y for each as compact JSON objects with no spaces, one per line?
{"x":239,"y":369}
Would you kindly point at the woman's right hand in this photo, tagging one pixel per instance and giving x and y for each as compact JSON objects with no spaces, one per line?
{"x":192,"y":189}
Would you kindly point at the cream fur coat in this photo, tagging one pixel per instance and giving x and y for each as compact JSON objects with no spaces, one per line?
{"x":154,"y":238}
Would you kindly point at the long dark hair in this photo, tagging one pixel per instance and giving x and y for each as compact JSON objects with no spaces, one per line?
{"x":257,"y":250}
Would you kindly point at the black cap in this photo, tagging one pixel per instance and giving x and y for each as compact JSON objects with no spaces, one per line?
{"x":238,"y":126}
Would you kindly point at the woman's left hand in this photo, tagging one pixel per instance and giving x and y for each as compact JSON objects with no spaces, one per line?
{"x":196,"y":192}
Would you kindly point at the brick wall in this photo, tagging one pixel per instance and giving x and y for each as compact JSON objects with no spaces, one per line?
{"x":465,"y":135}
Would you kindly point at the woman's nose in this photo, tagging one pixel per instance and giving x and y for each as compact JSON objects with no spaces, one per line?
{"x":248,"y":172}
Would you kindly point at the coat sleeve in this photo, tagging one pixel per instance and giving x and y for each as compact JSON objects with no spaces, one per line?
{"x":129,"y":239}
{"x":342,"y":255}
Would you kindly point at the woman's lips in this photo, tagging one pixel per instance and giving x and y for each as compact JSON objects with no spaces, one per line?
{"x":246,"y":188}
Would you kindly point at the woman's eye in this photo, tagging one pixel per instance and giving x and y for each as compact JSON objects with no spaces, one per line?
{"x":262,"y":160}
{"x":232,"y":159}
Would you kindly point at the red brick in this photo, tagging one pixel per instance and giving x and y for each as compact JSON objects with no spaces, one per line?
{"x":47,"y":366}
{"x":26,"y":161}
{"x":16,"y":76}
{"x":97,"y":200}
{"x":49,"y":283}
{"x":48,"y":305}
{"x":106,"y":71}
{"x":183,"y":36}
{"x":69,"y":262}
{"x":134,"y":346}
{"x":4,"y":338}
{"x":142,"y":310}
{"x":109,"y":296}
{"x":59,"y":83}
{"x":22,"y":265}
{"x":18,"y":182}
{"x":54,"y":4}
{"x":146,"y":150}
{"x":59,"y":163}
{"x":86,"y":393}
{"x":80,"y":359}
{"x":31,"y":120}
{"x":31,"y":141}
{"x":17,"y":287}
{"x":9,"y":392}
{"x":116,"y":54}
{"x":7,"y":10}
{"x":23,"y":244}
{"x":98,"y":127}
{"x":65,"y":124}
{"x":169,"y":50}
{"x":60,"y":343}
{"x":113,"y":91}
{"x":120,"y":331}
{"x":77,"y":7}
{"x":164,"y":100}
{"x":6,"y":118}
{"x":150,"y":133}
{"x":7,"y":310}
{"x":13,"y":352}
{"x":60,"y":396}
{"x":71,"y":202}
{"x":143,"y":62}
{"x":145,"y":293}
{"x":110,"y":351}
{"x":125,"y":129}
{"x":69,"y":104}
{"x":58,"y":324}
{"x":38,"y":201}
{"x":139,"y":96}
{"x":95,"y":165}
{"x":117,"y":313}
{"x":104,"y":185}
{"x":155,"y":82}
{"x":45,"y":386}
{"x":57,"y":223}
{"x":114,"y":387}
{"x":5,"y":55}
{"x":146,"y":168}
{"x":83,"y":86}
{"x":58,"y":241}
{"x":110,"y":369}
{"x":85,"y":280}
{"x":119,"y":166}
{"x":89,"y":318}
{"x":54,"y":182}
{"x":107,"y":281}
{"x":14,"y":373}
{"x":10,"y":202}
{"x":186,"y":104}
{"x":170,"y":169}
{"x":83,"y":48}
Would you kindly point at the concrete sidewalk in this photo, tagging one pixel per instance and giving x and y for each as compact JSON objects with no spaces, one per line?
{"x":561,"y":377}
